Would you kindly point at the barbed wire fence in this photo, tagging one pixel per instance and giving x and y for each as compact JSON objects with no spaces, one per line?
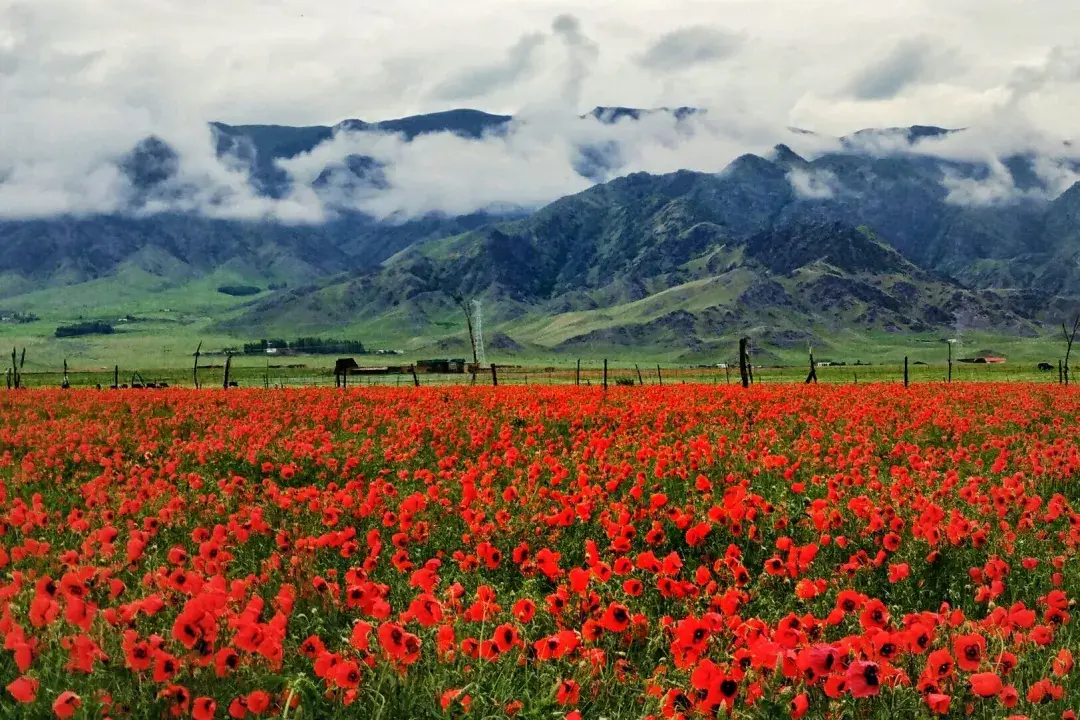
{"x":584,"y":373}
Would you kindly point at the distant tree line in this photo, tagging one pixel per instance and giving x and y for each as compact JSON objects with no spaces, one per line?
{"x":94,"y":327}
{"x":239,"y":290}
{"x":305,"y":346}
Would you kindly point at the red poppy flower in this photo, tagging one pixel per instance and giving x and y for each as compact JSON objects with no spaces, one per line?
{"x":347,"y":675}
{"x":616,"y":618}
{"x":938,"y":703}
{"x":799,"y":705}
{"x":676,"y":703}
{"x":874,"y":615}
{"x":506,"y":637}
{"x":863,"y":678}
{"x":568,"y":692}
{"x":985,"y":684}
{"x":940,"y":663}
{"x":258,"y":702}
{"x":203,"y":708}
{"x":165,"y":667}
{"x":238,"y":708}
{"x":969,"y":650}
{"x":225,"y":661}
{"x":359,"y":639}
{"x":66,"y":704}
{"x":1063,"y":662}
{"x":524,"y":610}
{"x":23,"y":689}
{"x":450,"y":696}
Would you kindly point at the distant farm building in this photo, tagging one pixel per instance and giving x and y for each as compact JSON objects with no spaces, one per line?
{"x":346,"y":367}
{"x":382,"y":370}
{"x":984,"y":360}
{"x":441,"y":366}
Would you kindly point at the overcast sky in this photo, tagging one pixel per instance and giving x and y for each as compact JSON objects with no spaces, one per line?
{"x":82,"y":79}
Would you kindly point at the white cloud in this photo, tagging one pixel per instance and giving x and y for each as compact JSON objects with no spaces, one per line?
{"x":83,"y":81}
{"x":534,"y":162}
{"x":998,"y":188}
{"x":690,"y":46}
{"x":814,"y":184}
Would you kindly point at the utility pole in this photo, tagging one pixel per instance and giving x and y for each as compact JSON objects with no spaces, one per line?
{"x":812,"y":377}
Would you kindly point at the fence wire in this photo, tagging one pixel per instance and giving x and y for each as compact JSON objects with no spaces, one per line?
{"x":589,"y":375}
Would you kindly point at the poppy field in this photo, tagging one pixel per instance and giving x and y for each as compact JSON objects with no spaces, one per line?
{"x":858,"y":551}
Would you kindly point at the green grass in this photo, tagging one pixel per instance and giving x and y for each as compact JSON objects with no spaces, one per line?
{"x":174,"y":310}
{"x":163,"y":344}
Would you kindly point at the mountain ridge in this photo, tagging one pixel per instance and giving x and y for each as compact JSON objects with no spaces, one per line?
{"x":778,"y":243}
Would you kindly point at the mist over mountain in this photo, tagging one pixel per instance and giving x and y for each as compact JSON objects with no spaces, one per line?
{"x":898,"y":229}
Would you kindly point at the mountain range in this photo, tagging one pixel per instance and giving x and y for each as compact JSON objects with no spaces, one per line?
{"x":790,"y":249}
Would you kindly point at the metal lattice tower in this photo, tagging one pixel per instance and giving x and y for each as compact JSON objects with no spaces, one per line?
{"x":478,"y":328}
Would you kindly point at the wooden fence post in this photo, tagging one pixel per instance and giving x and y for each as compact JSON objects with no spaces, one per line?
{"x":494,"y":376}
{"x":605,"y":374}
{"x":1061,"y":374}
{"x":228,"y":367}
{"x":415,"y":377}
{"x":195,"y":370}
{"x":659,"y":375}
{"x":639,"y":380}
{"x":116,"y":377}
{"x":744,"y":371}
{"x":577,"y":375}
{"x":905,"y":371}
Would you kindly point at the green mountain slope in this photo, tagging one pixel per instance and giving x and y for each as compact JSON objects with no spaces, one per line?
{"x":685,"y":261}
